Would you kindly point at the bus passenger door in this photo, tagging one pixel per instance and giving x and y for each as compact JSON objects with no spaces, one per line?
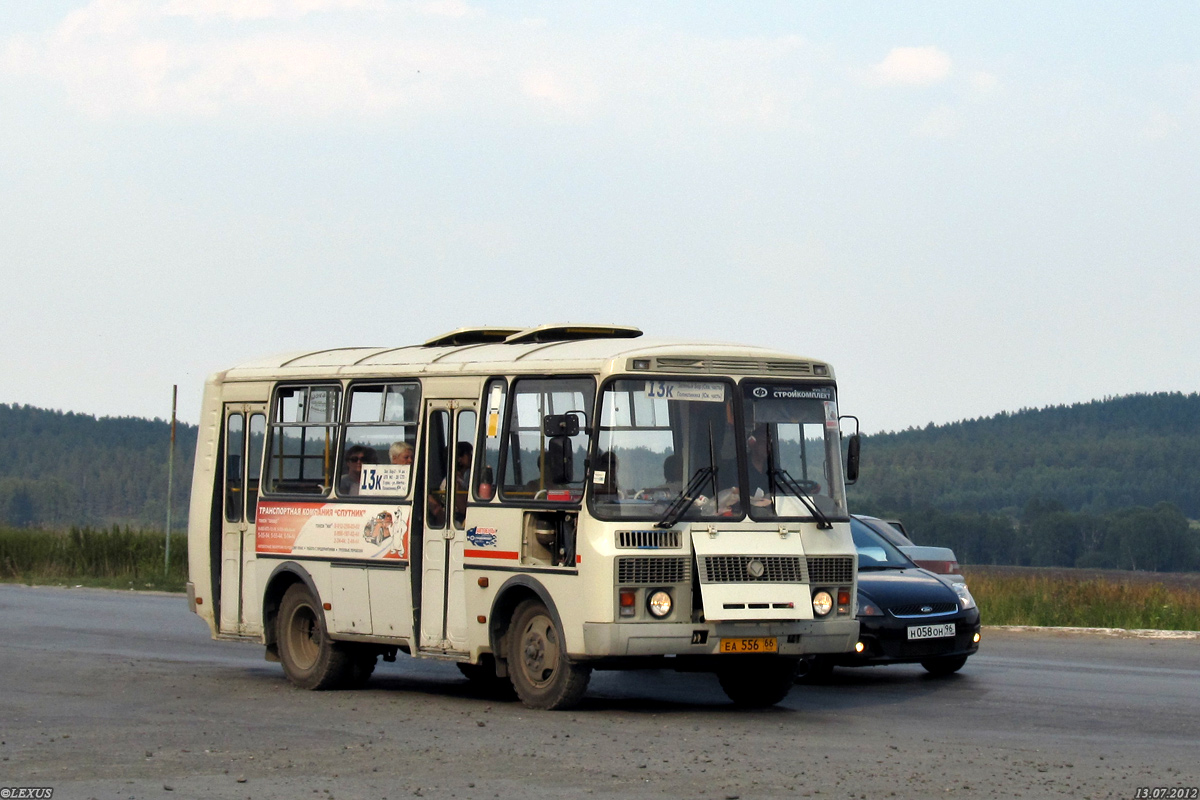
{"x":449,"y":431}
{"x":244,"y":433}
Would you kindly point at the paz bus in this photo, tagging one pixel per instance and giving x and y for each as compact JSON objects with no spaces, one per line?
{"x":530,"y":504}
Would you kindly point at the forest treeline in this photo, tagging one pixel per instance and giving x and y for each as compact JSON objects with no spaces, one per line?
{"x":61,"y":469}
{"x":1106,"y":484}
{"x":1110,"y":483}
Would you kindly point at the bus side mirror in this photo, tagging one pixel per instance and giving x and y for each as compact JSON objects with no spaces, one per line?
{"x":852,"y":457}
{"x":560,"y":461}
{"x":561,"y":424}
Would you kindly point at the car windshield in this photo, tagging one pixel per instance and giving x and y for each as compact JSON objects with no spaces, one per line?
{"x":875,"y":552}
{"x":793,"y":448}
{"x":658,"y":437}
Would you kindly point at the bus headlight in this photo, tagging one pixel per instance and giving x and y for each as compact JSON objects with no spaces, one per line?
{"x":659,"y":603}
{"x":822,"y":603}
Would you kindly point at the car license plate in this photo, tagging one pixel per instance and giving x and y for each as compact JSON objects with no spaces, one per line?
{"x":931,"y":631}
{"x":758,"y":644}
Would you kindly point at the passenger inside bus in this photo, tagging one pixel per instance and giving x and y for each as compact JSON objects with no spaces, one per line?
{"x":356,"y":456}
{"x":759,"y":465}
{"x":401,"y":453}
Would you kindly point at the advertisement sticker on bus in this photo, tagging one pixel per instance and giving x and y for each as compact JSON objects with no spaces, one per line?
{"x":332,"y":530}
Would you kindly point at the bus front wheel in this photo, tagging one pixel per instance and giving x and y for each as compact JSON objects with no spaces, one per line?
{"x":542,"y":675}
{"x":310,"y":659}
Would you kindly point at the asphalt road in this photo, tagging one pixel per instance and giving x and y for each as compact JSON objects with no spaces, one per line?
{"x":122,"y":695}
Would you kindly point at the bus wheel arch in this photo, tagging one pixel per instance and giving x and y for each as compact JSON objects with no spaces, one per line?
{"x":282,"y":578}
{"x":515,"y":591}
{"x":527,"y":637}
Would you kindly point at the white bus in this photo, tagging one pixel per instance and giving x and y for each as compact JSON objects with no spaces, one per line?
{"x":530,"y":504}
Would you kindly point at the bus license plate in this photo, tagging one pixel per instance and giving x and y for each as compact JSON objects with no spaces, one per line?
{"x":759,"y":644}
{"x":931,"y":631}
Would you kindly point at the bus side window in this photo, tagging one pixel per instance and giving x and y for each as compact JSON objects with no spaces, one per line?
{"x":258,"y":435}
{"x":487,"y":465}
{"x":302,"y":440}
{"x":526,"y":474}
{"x":235,"y":448}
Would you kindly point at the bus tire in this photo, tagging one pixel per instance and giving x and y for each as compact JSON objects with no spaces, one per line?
{"x":362,"y":666}
{"x":759,"y":683}
{"x":945,"y":665}
{"x":311,"y":660}
{"x":542,"y":675}
{"x":484,"y":679}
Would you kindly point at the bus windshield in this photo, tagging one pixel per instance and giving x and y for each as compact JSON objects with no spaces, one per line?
{"x":793,"y":451}
{"x":658,"y":436}
{"x":673,"y":444}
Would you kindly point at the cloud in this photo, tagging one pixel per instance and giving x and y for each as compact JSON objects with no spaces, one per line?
{"x":406,"y":61}
{"x":911,"y":66}
{"x":258,"y":9}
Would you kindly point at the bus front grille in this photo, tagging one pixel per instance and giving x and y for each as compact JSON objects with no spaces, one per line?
{"x":637,"y":570}
{"x":742,"y":569}
{"x":830,"y":569}
{"x":647,"y":539}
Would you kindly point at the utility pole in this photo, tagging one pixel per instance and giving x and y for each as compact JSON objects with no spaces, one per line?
{"x":170,"y":480}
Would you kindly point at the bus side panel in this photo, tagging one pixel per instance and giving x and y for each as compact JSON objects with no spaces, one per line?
{"x":391,"y":602}
{"x":204,"y":513}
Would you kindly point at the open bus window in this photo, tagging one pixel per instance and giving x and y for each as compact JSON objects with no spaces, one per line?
{"x":527,"y":473}
{"x":302,"y":440}
{"x":381,"y":435}
{"x":654,"y":438}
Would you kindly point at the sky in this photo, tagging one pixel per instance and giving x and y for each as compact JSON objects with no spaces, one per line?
{"x":965,"y":208}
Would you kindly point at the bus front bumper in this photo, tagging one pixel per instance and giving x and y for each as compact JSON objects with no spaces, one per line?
{"x":605,"y":639}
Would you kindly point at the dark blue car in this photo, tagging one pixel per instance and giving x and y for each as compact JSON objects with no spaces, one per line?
{"x":906,"y":614}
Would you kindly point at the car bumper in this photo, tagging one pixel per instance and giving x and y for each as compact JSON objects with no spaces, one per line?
{"x":885,"y":641}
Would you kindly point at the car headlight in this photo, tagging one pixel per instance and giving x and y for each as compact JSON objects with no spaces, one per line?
{"x":867,"y":607}
{"x":659,"y":603}
{"x":822,"y":603}
{"x":964,"y":597}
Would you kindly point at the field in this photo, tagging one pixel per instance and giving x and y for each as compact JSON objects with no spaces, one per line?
{"x":1086,"y":598}
{"x":124,"y":559}
{"x":115,"y":558}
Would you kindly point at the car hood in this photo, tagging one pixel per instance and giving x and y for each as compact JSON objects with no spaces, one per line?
{"x":901,"y":587}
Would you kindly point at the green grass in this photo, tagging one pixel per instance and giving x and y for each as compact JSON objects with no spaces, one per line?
{"x":115,"y":559}
{"x":1085,"y":602}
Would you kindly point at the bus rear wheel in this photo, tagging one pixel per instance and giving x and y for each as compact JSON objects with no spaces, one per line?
{"x":541,"y":673}
{"x":311,"y":660}
{"x":758,"y":683}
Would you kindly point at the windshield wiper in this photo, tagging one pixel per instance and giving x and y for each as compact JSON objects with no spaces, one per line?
{"x":781,"y":477}
{"x":683,"y":501}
